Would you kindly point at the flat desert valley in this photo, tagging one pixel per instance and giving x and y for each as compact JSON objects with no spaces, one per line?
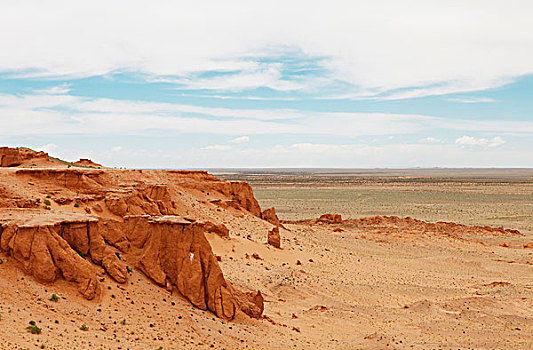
{"x":153,"y":259}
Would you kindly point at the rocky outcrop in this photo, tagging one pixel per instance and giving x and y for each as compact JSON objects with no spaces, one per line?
{"x":244,"y":195}
{"x":12,"y":157}
{"x":393,"y":224}
{"x":170,"y":250}
{"x":50,"y":247}
{"x":87,"y":163}
{"x":271,"y":216}
{"x":84,"y":181}
{"x":135,"y":223}
{"x":397,"y":227}
{"x":175,"y":253}
{"x":274,"y":239}
{"x":329,"y":219}
{"x":220,"y":229}
{"x":138,"y":202}
{"x":236,"y":194}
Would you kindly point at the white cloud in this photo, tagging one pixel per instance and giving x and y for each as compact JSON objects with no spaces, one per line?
{"x":55,"y":90}
{"x":27,"y":115}
{"x":429,"y":139}
{"x":496,"y":141}
{"x":434,"y":46}
{"x":216,"y":148}
{"x":63,"y":114}
{"x":240,"y":139}
{"x":138,"y":107}
{"x":472,"y":141}
{"x":268,"y":75}
{"x":472,"y":100}
{"x":48,"y":148}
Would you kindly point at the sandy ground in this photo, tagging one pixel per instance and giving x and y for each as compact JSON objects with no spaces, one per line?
{"x":351,"y":289}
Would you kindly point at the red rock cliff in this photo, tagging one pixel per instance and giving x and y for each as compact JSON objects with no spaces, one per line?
{"x":136,"y":219}
{"x":10,"y":157}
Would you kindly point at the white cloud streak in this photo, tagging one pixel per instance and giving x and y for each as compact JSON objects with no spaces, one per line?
{"x":241,"y":139}
{"x":64,"y":114}
{"x":429,"y":140}
{"x":472,"y":100}
{"x":472,"y":141}
{"x":55,"y":90}
{"x":429,"y":47}
{"x":216,"y":148}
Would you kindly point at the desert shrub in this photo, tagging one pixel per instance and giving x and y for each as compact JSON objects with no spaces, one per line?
{"x":54,"y":298}
{"x":46,"y":202}
{"x":76,"y":205}
{"x":83,"y":327}
{"x":34,"y":329}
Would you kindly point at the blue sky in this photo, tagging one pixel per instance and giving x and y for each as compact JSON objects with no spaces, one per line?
{"x":270,"y":84}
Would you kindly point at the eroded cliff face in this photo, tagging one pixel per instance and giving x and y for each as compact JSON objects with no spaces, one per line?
{"x":12,"y":157}
{"x":81,"y":224}
{"x":50,"y":246}
{"x":172,"y":251}
{"x":175,"y":253}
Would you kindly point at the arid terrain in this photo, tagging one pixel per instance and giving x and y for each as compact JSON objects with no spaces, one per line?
{"x":100,"y":258}
{"x":496,"y":197}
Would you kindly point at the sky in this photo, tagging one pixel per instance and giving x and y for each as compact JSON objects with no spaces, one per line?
{"x":215,"y":84}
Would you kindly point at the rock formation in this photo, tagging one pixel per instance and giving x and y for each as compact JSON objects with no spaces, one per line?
{"x":274,"y":239}
{"x":271,"y":216}
{"x":174,"y":253}
{"x":12,"y":157}
{"x":396,"y":227}
{"x":144,"y":219}
{"x":329,"y":219}
{"x":388,"y":224}
{"x":87,"y":163}
{"x":220,"y":230}
{"x":50,"y":246}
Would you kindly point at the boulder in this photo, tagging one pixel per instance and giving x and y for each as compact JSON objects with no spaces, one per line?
{"x":274,"y":239}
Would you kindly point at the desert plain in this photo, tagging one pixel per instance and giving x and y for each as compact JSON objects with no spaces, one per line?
{"x":421,"y":258}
